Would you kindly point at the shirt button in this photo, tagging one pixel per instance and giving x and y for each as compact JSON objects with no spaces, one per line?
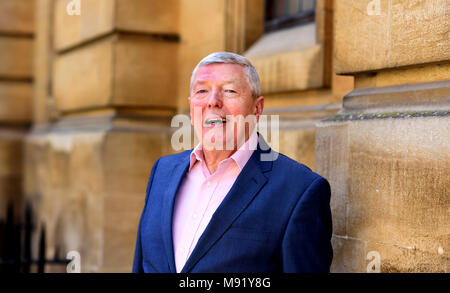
{"x":195,"y":216}
{"x":208,"y":184}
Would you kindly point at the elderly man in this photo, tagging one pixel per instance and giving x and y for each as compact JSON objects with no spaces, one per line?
{"x":222,"y":207}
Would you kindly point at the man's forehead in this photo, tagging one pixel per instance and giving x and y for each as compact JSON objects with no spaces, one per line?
{"x":202,"y":80}
{"x":226,"y":72}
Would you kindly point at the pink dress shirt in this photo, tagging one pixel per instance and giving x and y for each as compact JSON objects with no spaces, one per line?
{"x":200,"y":194}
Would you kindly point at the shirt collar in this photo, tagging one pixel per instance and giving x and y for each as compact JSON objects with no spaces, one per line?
{"x":241,"y":156}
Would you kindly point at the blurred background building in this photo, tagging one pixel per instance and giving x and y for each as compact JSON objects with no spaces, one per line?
{"x":362,"y":89}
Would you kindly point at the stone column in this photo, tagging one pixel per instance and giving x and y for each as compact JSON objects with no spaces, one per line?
{"x":387,"y":152}
{"x":106,"y":93}
{"x":16,"y":81}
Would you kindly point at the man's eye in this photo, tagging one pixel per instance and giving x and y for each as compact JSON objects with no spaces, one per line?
{"x":230,"y":91}
{"x":201,"y":91}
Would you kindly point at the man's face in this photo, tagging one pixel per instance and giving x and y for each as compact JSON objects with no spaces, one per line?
{"x":221,"y":91}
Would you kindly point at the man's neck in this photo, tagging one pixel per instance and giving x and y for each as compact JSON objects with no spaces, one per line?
{"x":214,"y":157}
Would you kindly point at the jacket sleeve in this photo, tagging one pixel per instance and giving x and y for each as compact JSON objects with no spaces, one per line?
{"x":306,"y":246}
{"x":137,"y":262}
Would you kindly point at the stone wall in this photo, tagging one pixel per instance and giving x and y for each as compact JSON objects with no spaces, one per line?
{"x":104,"y":103}
{"x":387,"y":152}
{"x":362,"y":97}
{"x":16,"y":84}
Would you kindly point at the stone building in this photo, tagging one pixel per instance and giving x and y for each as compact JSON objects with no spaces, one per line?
{"x":362,"y":90}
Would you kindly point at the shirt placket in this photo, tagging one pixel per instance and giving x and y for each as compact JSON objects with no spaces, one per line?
{"x":197,"y":218}
{"x":191,"y":226}
{"x":208,"y":190}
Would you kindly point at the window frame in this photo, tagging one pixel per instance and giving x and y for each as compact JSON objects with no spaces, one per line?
{"x":287,"y":20}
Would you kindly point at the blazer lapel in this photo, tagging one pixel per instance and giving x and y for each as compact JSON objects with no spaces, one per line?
{"x":247,"y":185}
{"x":174,"y":180}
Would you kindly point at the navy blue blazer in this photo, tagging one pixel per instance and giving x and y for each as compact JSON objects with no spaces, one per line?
{"x":275,"y":218}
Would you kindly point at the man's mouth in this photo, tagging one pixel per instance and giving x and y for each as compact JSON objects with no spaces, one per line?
{"x":215,"y":121}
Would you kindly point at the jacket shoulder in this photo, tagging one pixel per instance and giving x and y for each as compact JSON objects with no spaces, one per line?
{"x":293,"y":169}
{"x":170,"y":159}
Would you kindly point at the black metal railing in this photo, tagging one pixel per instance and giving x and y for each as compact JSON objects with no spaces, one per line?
{"x":16,"y":244}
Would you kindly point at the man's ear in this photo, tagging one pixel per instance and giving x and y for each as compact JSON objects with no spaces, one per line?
{"x":259,"y":106}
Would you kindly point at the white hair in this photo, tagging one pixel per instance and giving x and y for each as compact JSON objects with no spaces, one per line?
{"x":232,"y":58}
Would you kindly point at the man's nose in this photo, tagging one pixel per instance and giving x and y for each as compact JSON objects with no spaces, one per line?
{"x":215,"y":99}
